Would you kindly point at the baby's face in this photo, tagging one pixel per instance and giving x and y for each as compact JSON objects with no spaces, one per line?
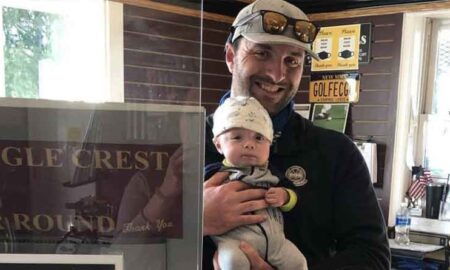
{"x":243,"y":147}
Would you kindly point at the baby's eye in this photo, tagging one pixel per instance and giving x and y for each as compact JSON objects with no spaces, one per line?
{"x":236,"y":137}
{"x":260,"y":138}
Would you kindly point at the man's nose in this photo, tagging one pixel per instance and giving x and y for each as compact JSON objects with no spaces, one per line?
{"x":276,"y":70}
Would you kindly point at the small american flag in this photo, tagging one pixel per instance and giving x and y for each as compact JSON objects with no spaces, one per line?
{"x":417,"y":188}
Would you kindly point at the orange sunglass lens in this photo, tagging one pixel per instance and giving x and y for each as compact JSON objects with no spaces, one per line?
{"x":274,"y":23}
{"x":305,"y":31}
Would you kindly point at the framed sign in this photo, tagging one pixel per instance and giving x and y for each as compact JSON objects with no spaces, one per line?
{"x":61,"y":261}
{"x":104,"y":177}
{"x":331,"y":116}
{"x":365,"y":42}
{"x":334,"y":87}
{"x":337,"y":47}
{"x":303,"y":110}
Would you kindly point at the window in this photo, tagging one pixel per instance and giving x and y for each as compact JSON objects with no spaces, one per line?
{"x":436,"y":109}
{"x":60,"y":50}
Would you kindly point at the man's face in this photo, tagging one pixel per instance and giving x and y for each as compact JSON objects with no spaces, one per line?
{"x":270,"y":73}
{"x":243,"y":147}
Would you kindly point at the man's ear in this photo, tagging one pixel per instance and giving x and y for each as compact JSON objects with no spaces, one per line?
{"x":229,"y":56}
{"x":218,"y":146}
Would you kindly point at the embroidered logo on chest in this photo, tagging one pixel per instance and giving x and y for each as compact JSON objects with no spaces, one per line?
{"x":296,"y":175}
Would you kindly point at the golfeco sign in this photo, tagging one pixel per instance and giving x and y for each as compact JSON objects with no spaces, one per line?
{"x":334,"y":88}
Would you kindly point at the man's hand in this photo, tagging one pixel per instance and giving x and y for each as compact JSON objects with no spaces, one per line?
{"x":171,"y":186}
{"x":227,"y":206}
{"x":256,"y":262}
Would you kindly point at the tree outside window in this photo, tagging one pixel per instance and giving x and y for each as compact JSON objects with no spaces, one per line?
{"x":28,"y":40}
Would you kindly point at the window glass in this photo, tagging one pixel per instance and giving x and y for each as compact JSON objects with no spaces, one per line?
{"x":437,"y":145}
{"x":437,"y":124}
{"x":441,"y":97}
{"x":54,"y":49}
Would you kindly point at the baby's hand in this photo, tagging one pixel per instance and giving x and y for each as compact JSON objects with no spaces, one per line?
{"x":277,"y":196}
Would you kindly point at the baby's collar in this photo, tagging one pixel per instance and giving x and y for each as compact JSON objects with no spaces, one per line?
{"x":226,"y":163}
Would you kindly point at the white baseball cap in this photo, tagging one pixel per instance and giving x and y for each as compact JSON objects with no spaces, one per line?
{"x":253,"y":29}
{"x":242,"y":112}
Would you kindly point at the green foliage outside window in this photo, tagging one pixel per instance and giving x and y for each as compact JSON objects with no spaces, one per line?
{"x":28,"y":36}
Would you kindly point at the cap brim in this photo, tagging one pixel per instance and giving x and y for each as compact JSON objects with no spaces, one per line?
{"x":280,"y":39}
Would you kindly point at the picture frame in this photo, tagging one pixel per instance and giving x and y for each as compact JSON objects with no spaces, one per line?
{"x":303,"y":109}
{"x":53,"y":261}
{"x":331,"y":115}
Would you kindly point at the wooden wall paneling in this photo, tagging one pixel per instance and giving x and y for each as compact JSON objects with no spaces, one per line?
{"x":376,"y":81}
{"x":304,"y":83}
{"x":153,"y":27}
{"x":213,"y":51}
{"x":382,"y":10}
{"x":143,"y":42}
{"x":138,"y":92}
{"x":212,"y":36}
{"x":374,"y":96}
{"x":167,"y":16}
{"x":369,"y":128}
{"x":212,"y":95}
{"x":210,"y":107}
{"x":302,"y":96}
{"x":213,"y":66}
{"x":216,"y":79}
{"x":369,"y":112}
{"x":161,"y":60}
{"x":161,"y":76}
{"x":162,"y":56}
{"x":374,"y":115}
{"x":377,"y":65}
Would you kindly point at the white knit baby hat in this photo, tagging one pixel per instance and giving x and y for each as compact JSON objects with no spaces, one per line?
{"x":242,"y":112}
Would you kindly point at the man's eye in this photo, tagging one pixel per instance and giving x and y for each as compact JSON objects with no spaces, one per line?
{"x":292,"y":62}
{"x":261,"y":54}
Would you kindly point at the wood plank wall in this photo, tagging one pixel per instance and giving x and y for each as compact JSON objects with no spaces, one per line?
{"x":162,"y":65}
{"x":374,"y":115}
{"x":161,"y":57}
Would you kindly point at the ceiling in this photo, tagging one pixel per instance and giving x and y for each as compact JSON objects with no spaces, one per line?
{"x":232,"y":7}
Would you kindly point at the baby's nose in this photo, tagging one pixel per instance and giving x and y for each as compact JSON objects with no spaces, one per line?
{"x":249,"y":145}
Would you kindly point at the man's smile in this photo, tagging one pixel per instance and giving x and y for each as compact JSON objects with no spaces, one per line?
{"x":269,"y":87}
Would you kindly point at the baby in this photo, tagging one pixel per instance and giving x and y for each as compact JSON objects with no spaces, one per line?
{"x":243,"y":134}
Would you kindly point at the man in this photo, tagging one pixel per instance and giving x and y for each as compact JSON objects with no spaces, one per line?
{"x":337,"y":222}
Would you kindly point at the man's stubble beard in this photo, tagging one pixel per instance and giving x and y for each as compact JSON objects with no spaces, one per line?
{"x":241,"y":86}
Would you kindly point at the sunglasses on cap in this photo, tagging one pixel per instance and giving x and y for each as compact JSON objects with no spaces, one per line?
{"x":276,"y":23}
